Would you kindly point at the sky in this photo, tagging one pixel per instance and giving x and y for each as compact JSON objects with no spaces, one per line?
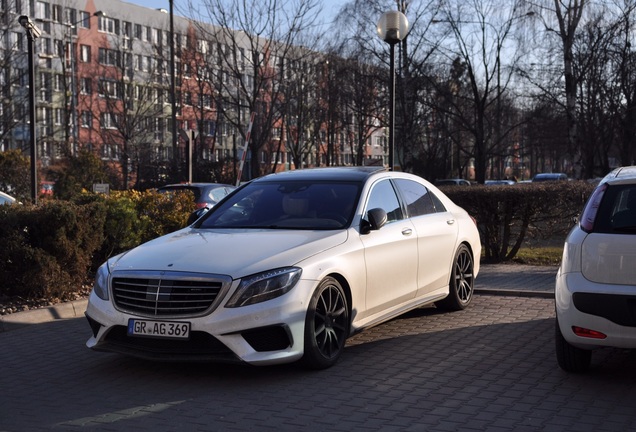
{"x":330,"y":7}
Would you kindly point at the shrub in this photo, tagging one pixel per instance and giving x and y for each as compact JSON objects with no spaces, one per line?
{"x":47,"y":249}
{"x":508,"y":216}
{"x":135,"y":217}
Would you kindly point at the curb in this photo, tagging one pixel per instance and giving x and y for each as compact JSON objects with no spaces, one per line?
{"x":515,"y":293}
{"x":60,"y":311}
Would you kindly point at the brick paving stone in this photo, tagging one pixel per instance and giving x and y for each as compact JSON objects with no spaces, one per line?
{"x":490,"y":367}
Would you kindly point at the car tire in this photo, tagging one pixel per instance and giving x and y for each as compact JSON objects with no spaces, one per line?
{"x":462,"y":281}
{"x":569,"y":357}
{"x":326,"y":325}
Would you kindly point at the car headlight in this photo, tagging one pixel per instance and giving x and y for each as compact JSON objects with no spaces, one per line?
{"x":100,"y":287}
{"x":264,"y":286}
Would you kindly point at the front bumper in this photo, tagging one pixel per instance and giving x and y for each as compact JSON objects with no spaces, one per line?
{"x":270,"y":332}
{"x":605,"y":308}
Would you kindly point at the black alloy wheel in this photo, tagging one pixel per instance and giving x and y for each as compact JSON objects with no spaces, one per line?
{"x":462,"y":281}
{"x":326,"y":325}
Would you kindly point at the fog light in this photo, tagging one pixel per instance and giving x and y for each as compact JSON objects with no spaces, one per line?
{"x":587,"y":333}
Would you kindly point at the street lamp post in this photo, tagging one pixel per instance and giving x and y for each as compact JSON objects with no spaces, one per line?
{"x":392,"y":28}
{"x":173,"y":102}
{"x":33,"y":32}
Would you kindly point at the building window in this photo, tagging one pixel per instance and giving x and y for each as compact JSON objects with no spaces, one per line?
{"x":109,"y":151}
{"x":109,"y":57}
{"x":158,"y":132}
{"x":45,"y":46}
{"x":108,"y":25}
{"x":57,"y":13}
{"x":85,"y":20}
{"x":107,"y":121}
{"x":110,"y":88}
{"x":42,"y":10}
{"x":86,"y":86}
{"x":58,"y":82}
{"x":45,"y":87}
{"x":59,"y":116}
{"x":85,"y":53}
{"x":86,"y":119}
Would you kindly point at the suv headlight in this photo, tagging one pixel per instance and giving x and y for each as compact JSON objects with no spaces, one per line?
{"x":264,"y":286}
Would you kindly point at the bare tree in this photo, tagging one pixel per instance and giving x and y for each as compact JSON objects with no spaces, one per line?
{"x":133,"y":93}
{"x":415,"y":151}
{"x":253,"y":42}
{"x":485,"y":43}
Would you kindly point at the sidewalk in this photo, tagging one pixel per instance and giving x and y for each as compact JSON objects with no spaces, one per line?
{"x":494,"y":279}
{"x":517,"y":280}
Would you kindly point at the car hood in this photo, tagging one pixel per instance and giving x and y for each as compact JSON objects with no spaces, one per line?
{"x":236,"y":252}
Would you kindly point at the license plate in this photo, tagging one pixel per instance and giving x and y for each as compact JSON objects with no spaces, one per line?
{"x":159,"y":329}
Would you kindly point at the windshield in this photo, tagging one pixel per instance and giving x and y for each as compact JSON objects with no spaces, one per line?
{"x":287,"y":205}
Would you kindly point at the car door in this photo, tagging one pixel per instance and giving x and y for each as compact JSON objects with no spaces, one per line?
{"x":436,"y":231}
{"x":390,"y":253}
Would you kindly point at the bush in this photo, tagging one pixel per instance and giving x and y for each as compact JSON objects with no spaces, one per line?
{"x":135,"y":217}
{"x":508,"y":216}
{"x":49,"y":250}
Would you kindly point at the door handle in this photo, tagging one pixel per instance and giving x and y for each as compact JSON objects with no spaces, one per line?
{"x":407,"y":231}
{"x":450,"y":221}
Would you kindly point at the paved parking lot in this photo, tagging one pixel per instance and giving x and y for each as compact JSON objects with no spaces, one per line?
{"x":488,"y":368}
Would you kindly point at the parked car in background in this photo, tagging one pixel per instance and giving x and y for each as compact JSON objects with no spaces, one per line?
{"x":595,"y":290}
{"x":47,"y":188}
{"x":205,"y":194}
{"x":500,"y":182}
{"x":452,"y":182}
{"x":286,"y":268}
{"x":543,"y":177}
{"x":7,"y":199}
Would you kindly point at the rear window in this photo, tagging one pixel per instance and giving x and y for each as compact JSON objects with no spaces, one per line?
{"x":173,"y":189}
{"x":617,"y":211}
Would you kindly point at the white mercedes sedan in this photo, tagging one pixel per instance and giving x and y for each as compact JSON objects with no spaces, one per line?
{"x":286,"y":267}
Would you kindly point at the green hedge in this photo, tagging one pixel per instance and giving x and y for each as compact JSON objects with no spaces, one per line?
{"x":50,"y":250}
{"x":510,"y":216}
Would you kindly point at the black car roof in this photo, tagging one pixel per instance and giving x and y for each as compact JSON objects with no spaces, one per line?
{"x":318,"y":174}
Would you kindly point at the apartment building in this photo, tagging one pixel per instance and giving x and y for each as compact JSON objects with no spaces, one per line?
{"x":104,"y":83}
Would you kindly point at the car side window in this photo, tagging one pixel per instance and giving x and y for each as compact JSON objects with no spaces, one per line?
{"x":218,"y":193}
{"x":418,"y":198}
{"x":439,"y":207}
{"x":383,"y":196}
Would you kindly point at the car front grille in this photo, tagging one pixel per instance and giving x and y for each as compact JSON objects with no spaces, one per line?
{"x":162,"y":295}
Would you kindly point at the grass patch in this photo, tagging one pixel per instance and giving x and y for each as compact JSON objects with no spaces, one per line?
{"x":539,"y":255}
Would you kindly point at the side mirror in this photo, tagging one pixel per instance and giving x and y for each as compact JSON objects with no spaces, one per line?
{"x":195,"y":215}
{"x":376,"y":219}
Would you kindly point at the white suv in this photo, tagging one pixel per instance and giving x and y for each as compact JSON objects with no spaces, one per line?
{"x":596,"y":284}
